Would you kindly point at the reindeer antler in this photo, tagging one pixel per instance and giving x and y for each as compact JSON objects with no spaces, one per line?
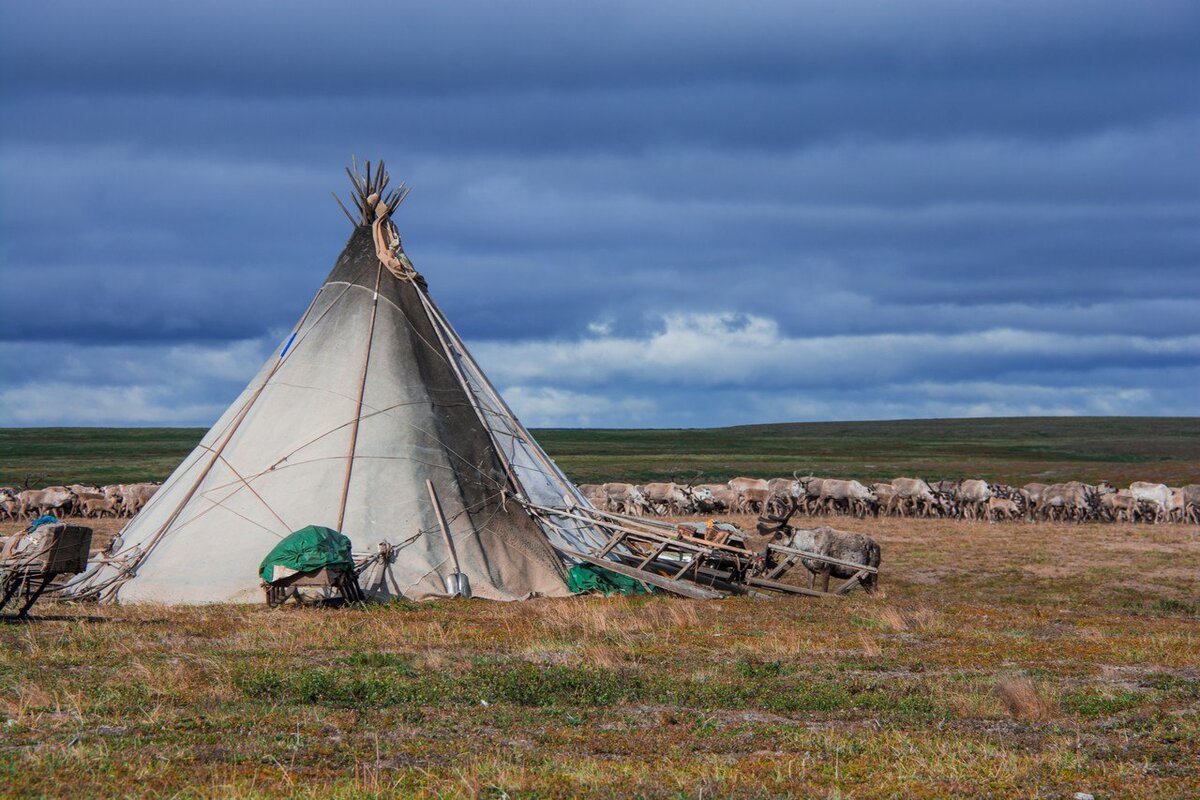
{"x":780,"y":522}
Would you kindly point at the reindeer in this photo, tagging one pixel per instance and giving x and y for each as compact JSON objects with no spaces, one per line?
{"x":781,"y":492}
{"x":856,"y":548}
{"x":754,"y":494}
{"x":671,"y":498}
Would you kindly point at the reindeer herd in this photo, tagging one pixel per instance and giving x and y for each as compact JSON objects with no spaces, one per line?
{"x":77,"y":500}
{"x":906,"y":497}
{"x":903,"y":497}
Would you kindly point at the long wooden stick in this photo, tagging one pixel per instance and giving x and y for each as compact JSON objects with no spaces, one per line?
{"x":685,"y":543}
{"x":441,"y":517}
{"x":786,"y":587}
{"x":818,"y":557}
{"x":362,"y":388}
{"x":699,"y":544}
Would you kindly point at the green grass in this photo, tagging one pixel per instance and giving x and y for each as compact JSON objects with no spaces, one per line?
{"x":1013,"y":450}
{"x":46,"y":456}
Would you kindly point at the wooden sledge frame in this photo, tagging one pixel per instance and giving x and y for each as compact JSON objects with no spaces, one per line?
{"x":30,"y":573}
{"x":657,"y":552}
{"x":343,"y":581}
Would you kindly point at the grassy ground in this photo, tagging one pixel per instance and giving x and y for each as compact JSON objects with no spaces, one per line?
{"x":1001,"y":661}
{"x":1121,"y":449}
{"x":98,"y":456}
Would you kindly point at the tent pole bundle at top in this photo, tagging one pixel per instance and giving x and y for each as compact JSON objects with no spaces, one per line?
{"x":372,"y":418}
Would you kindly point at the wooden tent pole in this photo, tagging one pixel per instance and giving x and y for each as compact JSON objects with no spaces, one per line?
{"x":362,"y":389}
{"x":441,"y":518}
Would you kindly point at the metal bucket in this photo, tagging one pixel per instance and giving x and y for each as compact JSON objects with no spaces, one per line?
{"x":458,"y":585}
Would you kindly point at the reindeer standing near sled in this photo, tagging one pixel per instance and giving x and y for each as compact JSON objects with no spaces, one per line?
{"x":825,"y":552}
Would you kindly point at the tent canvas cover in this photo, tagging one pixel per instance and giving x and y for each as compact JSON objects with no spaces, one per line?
{"x":368,"y":398}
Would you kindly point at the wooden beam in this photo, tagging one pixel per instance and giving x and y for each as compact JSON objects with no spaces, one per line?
{"x":691,"y":543}
{"x":786,"y":587}
{"x":847,"y":587}
{"x":362,"y":389}
{"x":779,"y":548}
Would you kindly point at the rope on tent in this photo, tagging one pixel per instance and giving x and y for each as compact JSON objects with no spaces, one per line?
{"x":488,"y":483}
{"x":139,"y":552}
{"x":257,"y":496}
{"x":435,"y":350}
{"x":164,"y":490}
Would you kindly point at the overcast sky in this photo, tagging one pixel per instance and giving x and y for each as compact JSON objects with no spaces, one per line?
{"x":638,"y":214}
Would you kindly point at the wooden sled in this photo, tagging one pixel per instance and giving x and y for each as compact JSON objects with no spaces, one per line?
{"x":343,"y":581}
{"x":63,"y":550}
{"x":701,"y":564}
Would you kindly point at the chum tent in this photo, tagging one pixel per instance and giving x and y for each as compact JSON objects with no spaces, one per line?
{"x":369,"y":400}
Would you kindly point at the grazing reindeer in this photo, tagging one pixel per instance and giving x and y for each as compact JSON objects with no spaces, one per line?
{"x":857,"y":548}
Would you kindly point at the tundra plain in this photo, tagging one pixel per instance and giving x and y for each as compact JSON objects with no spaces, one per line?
{"x":1018,"y":660}
{"x":999,"y":660}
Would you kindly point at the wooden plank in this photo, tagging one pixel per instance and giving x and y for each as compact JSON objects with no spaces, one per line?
{"x":649,"y":523}
{"x":786,"y":587}
{"x":445,"y":526}
{"x":653,"y":555}
{"x":697,"y":544}
{"x":675,"y":587}
{"x":692,"y":545}
{"x":613,"y":541}
{"x":689,"y":564}
{"x":848,"y":587}
{"x":786,"y":565}
{"x":779,"y":548}
{"x":719,"y":579}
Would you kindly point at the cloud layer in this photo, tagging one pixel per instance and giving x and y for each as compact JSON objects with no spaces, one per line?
{"x":650,"y":214}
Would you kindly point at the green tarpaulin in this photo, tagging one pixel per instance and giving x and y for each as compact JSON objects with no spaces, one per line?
{"x":305,"y":550}
{"x":589,"y":577}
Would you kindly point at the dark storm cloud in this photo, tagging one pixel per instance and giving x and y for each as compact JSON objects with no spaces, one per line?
{"x":618,"y":176}
{"x":256,"y":47}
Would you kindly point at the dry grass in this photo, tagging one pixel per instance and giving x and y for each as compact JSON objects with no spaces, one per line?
{"x":916,"y":619}
{"x":1023,"y":699}
{"x":1015,"y":661}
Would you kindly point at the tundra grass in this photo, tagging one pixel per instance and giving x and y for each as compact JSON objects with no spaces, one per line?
{"x":999,"y":661}
{"x":1120,"y":449}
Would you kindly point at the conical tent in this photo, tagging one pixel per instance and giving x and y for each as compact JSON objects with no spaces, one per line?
{"x":371,"y":399}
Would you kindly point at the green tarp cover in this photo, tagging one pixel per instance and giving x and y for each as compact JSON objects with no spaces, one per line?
{"x":589,"y":577}
{"x":308,"y":549}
